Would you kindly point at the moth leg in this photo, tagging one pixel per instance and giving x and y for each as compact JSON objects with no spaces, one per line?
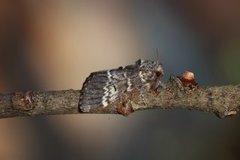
{"x":158,"y":85}
{"x":176,"y":81}
{"x":125,"y":107}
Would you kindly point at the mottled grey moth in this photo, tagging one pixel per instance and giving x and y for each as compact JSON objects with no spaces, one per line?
{"x":113,"y":89}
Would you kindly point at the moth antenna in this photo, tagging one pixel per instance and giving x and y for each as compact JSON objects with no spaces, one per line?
{"x":157,"y":53}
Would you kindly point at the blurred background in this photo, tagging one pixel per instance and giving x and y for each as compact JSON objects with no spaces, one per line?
{"x":56,"y":44}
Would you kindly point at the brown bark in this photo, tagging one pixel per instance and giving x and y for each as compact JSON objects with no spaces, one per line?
{"x":223,"y":101}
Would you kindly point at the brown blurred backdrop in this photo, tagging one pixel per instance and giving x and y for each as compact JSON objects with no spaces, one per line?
{"x":56,"y":44}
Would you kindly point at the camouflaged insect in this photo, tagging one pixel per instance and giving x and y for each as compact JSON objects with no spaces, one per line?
{"x":112,"y":89}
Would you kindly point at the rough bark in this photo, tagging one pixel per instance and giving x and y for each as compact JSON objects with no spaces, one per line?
{"x":223,"y":101}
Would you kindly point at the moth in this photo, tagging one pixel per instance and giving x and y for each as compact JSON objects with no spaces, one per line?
{"x":112,"y":89}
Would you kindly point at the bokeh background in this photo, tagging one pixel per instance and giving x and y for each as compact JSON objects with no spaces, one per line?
{"x":56,"y":44}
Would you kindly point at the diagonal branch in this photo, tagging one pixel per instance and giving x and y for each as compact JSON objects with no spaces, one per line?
{"x":223,"y":101}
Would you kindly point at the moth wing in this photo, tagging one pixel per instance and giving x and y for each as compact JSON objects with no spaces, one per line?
{"x":101,"y":88}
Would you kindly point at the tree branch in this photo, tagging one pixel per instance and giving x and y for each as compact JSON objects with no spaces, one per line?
{"x":223,"y":101}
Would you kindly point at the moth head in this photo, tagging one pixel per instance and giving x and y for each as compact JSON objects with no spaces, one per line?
{"x":150,"y":70}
